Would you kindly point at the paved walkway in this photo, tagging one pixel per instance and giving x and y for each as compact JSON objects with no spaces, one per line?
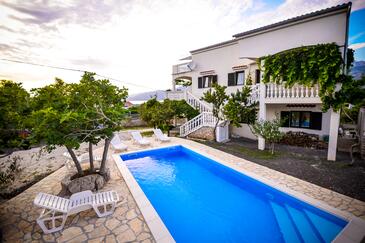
{"x":17,"y":216}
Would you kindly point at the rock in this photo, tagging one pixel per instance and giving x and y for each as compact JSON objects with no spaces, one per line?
{"x":126,"y":236}
{"x":110,"y":239}
{"x":69,"y":233}
{"x":131,"y":214}
{"x":112,"y":223}
{"x":136,"y":225}
{"x":98,"y":232}
{"x":89,"y":182}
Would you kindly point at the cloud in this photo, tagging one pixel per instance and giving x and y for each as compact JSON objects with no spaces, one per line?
{"x":357,"y":45}
{"x":132,"y":40}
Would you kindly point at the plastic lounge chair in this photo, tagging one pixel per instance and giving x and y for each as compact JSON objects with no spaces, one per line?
{"x":137,"y":137}
{"x":83,"y":158}
{"x":56,"y":208}
{"x":117,"y":143}
{"x":160,"y":136}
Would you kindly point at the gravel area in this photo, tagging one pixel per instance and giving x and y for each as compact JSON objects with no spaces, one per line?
{"x":304,"y":163}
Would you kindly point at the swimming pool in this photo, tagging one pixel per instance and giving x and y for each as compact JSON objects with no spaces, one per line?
{"x":201,"y":200}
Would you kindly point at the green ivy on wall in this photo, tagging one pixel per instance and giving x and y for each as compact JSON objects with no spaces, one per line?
{"x":307,"y":65}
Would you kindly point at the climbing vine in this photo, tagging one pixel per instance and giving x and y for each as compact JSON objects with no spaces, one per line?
{"x":308,"y":65}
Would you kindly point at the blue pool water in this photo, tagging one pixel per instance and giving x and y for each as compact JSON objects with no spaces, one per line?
{"x":201,"y":200}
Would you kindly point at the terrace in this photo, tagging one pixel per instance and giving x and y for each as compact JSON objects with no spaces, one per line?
{"x":127,"y":223}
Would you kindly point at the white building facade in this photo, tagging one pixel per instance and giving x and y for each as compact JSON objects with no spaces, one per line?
{"x":230,"y":63}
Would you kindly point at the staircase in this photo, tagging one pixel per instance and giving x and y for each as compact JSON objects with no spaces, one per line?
{"x":204,"y":119}
{"x":301,"y":225}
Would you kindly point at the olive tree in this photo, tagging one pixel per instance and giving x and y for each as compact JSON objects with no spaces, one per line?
{"x":218,"y":98}
{"x":268,"y":130}
{"x":70,"y":114}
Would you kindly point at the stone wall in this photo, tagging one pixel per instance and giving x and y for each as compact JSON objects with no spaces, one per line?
{"x":206,"y":133}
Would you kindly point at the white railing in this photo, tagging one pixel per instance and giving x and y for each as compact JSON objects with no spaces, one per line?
{"x":175,"y":95}
{"x":181,"y":68}
{"x":275,"y":91}
{"x":195,"y":102}
{"x":204,"y":119}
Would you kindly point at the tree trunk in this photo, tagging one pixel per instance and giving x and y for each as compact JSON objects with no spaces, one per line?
{"x":105,"y":154}
{"x":91,"y":157}
{"x":76,"y":161}
{"x":215,"y":129}
{"x":272,"y":148}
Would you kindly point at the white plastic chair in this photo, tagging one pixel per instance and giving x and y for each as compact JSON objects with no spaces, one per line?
{"x":117,"y":143}
{"x":55,"y":208}
{"x":137,"y":137}
{"x":160,"y":136}
{"x":84,"y":158}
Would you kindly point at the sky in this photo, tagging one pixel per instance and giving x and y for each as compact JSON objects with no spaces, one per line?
{"x":136,"y":42}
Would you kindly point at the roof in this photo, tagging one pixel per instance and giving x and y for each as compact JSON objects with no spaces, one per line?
{"x":278,"y":24}
{"x":295,"y":19}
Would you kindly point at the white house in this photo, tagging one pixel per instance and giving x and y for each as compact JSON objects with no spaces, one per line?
{"x":230,"y":62}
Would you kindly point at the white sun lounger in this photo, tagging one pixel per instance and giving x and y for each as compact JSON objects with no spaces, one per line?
{"x":83,"y":158}
{"x":137,"y":137}
{"x":160,"y":136}
{"x":57,"y":209}
{"x":117,"y":143}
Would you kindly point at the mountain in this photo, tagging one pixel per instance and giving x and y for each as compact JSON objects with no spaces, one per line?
{"x":142,"y":97}
{"x":358,"y":69}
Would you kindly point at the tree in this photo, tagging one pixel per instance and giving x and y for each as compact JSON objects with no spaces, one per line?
{"x":238,"y":108}
{"x":14,"y":108}
{"x":268,"y":130}
{"x":70,"y":114}
{"x":217,"y":97}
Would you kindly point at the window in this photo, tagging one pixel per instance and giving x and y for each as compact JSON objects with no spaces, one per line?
{"x":302,"y":119}
{"x":207,"y":81}
{"x":257,"y":76}
{"x":240,"y":78}
{"x":237,"y":78}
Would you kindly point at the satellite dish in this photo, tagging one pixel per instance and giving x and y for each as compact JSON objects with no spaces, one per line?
{"x":192,"y":66}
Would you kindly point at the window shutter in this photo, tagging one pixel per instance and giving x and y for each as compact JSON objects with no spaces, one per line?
{"x":258,"y":76}
{"x":215,"y":79}
{"x":231,"y":79}
{"x":285,"y":118}
{"x":316,"y":120}
{"x":200,"y":82}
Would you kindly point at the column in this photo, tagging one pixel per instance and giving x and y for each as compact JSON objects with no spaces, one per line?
{"x":262,"y":113}
{"x":333,"y":135}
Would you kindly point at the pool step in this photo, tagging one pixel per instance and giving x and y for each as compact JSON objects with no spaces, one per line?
{"x":287,"y":228}
{"x":306,"y":228}
{"x":300,"y":225}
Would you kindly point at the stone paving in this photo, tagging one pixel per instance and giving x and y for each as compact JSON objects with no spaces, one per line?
{"x":126,"y":224}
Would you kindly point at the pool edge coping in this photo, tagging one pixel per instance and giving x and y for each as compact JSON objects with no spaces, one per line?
{"x":353,"y":232}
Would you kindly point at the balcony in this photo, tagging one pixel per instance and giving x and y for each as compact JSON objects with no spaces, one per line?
{"x":278,"y":93}
{"x":181,"y":68}
{"x":175,"y":95}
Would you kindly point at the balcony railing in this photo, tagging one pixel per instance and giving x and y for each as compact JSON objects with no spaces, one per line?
{"x":279,"y":91}
{"x":181,"y":68}
{"x":175,"y":95}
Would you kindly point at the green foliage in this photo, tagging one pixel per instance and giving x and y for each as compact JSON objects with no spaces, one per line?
{"x":183,"y":109}
{"x":160,"y":114}
{"x":183,"y":82}
{"x":268,"y":130}
{"x":217,"y":97}
{"x":70,"y":114}
{"x":238,"y":110}
{"x":249,"y":79}
{"x":14,"y":108}
{"x":307,"y":66}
